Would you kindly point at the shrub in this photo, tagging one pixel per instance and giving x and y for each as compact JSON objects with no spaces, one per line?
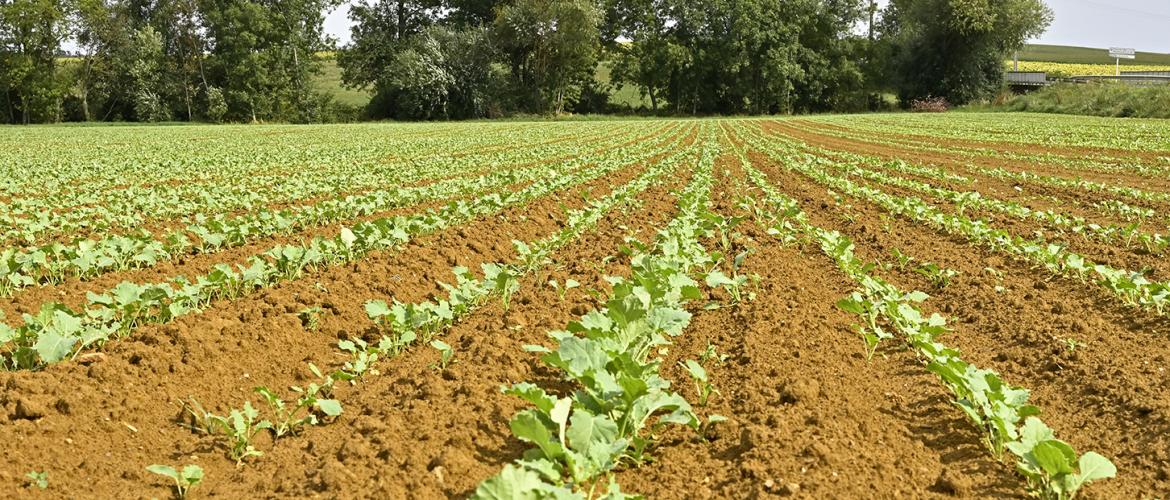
{"x":929,"y":105}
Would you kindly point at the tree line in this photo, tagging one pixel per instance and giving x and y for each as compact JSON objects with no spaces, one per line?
{"x":256,"y":60}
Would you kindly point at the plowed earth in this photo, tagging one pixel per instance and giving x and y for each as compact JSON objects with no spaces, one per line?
{"x":808,"y":414}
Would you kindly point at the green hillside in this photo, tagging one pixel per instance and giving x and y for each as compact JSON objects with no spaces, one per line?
{"x":329,"y":82}
{"x":1086,"y":55}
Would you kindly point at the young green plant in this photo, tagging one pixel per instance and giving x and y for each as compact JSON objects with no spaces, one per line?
{"x":184,"y":479}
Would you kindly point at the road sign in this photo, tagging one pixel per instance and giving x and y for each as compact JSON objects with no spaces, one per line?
{"x":1122,"y":53}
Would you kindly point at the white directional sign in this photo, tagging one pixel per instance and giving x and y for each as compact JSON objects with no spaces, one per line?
{"x":1122,"y":53}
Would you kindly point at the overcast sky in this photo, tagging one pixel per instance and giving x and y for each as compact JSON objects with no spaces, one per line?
{"x":1140,"y":24}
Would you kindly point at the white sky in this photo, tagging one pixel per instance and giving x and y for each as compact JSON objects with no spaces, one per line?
{"x":1140,"y":24}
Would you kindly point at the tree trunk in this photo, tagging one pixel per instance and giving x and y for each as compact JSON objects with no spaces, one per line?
{"x":653,"y":100}
{"x":202,"y":76}
{"x":8,"y":101}
{"x":187,"y":98}
{"x":401,"y":20}
{"x":85,"y":88}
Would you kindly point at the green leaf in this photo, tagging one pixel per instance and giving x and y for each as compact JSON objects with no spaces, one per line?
{"x":7,"y":333}
{"x":533,"y":394}
{"x":917,"y":296}
{"x":560,"y":416}
{"x":330,"y":407}
{"x":1094,"y":467}
{"x":850,"y":305}
{"x":192,"y":474}
{"x":696,"y":370}
{"x":512,"y":483}
{"x":164,"y":470}
{"x":1033,"y":432}
{"x":528,"y":426}
{"x":1054,"y":456}
{"x":594,"y":437}
{"x":347,"y":237}
{"x":377,"y":309}
{"x":52,"y":346}
{"x":716,"y":278}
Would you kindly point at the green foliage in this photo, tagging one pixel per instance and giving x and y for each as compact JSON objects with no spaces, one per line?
{"x":1052,"y":467}
{"x":290,"y":418}
{"x":363,"y":358}
{"x":551,"y":47}
{"x":239,"y":427}
{"x":563,"y":289}
{"x":185,"y":479}
{"x":955,"y":49}
{"x":703,"y":385}
{"x":939,"y":277}
{"x":310,"y":318}
{"x":38,"y":479}
{"x":217,"y":106}
{"x":503,"y":280}
{"x":740,"y":56}
{"x":999,"y":410}
{"x":445,"y":354}
{"x":620,"y":400}
{"x":1098,"y":99}
{"x":418,"y":70}
{"x":31,"y":33}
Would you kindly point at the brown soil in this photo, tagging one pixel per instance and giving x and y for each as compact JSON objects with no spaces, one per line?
{"x":1116,"y":157}
{"x":162,"y":225}
{"x":1114,"y":254}
{"x":1090,"y":396}
{"x":140,"y":380}
{"x":72,"y":292}
{"x":808,"y":415}
{"x":969,"y":167}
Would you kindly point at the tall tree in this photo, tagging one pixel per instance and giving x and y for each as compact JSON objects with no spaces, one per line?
{"x":180,"y":23}
{"x":654,"y":55}
{"x":471,"y":13}
{"x":955,"y":48}
{"x":150,"y":99}
{"x":31,"y":32}
{"x":552,"y":47}
{"x":378,"y":31}
{"x":103,"y":37}
{"x":263,"y":55}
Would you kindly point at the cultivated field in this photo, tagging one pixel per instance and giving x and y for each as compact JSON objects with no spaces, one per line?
{"x":1065,"y":70}
{"x":966,"y":305}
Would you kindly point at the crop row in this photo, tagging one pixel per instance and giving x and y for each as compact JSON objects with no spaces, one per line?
{"x":52,"y":161}
{"x":1131,"y":287}
{"x":58,"y":332}
{"x":53,"y":263}
{"x":1126,"y":136}
{"x":100,"y":210}
{"x":1127,"y":235}
{"x":1120,"y":208}
{"x":1085,"y":161}
{"x":609,"y":355}
{"x":1053,"y":469}
{"x":406,"y":325}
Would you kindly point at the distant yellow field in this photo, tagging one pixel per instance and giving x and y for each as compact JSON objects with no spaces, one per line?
{"x":1068,"y":69}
